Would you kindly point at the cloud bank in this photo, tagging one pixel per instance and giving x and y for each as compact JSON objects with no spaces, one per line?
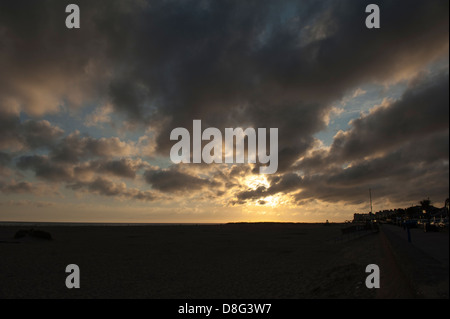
{"x":152,"y":66}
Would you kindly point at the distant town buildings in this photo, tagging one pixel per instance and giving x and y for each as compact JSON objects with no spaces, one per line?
{"x":363,"y":217}
{"x":413,"y":212}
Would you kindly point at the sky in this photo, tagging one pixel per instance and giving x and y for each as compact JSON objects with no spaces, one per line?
{"x":86,"y":114}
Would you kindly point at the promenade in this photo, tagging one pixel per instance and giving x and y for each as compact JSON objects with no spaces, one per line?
{"x":424,"y":261}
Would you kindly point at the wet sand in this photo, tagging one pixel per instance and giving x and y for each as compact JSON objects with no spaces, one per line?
{"x":288,"y":261}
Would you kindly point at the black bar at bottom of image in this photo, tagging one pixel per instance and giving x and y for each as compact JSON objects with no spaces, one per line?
{"x":251,"y":308}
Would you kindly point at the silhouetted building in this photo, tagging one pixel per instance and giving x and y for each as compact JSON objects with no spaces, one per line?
{"x":363,"y":217}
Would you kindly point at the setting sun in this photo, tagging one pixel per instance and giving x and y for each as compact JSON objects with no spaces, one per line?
{"x":255,"y":181}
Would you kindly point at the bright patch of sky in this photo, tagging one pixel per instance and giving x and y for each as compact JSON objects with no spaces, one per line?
{"x":358,"y":101}
{"x":362,"y":99}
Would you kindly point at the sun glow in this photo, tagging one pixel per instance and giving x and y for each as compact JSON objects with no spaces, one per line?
{"x":256,"y":182}
{"x":253,"y":182}
{"x":272,"y":201}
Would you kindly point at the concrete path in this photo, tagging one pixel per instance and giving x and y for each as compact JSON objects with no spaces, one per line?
{"x":424,"y":261}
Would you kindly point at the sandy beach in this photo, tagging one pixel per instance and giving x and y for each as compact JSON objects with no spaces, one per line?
{"x":289,"y":261}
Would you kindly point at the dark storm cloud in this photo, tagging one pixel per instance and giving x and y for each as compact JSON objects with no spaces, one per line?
{"x":229,"y":63}
{"x":284,"y":184}
{"x":416,"y":182}
{"x":44,"y":168}
{"x":172,"y":180}
{"x":106,"y":187}
{"x":417,"y":168}
{"x":46,"y":64}
{"x":102,"y":186}
{"x":30,"y":134}
{"x":56,"y":171}
{"x":402,"y":163}
{"x":76,"y":147}
{"x":401,"y":150}
{"x":74,"y":176}
{"x":40,"y":133}
{"x":240,"y":63}
{"x":421,"y":111}
{"x":259,"y":192}
{"x":124,"y":167}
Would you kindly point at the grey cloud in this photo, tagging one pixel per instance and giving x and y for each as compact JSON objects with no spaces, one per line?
{"x":47,"y":64}
{"x":27,"y":135}
{"x":284,"y":184}
{"x":124,"y":167}
{"x":105,"y":187}
{"x":229,"y":63}
{"x":417,"y":169}
{"x":249,"y":194}
{"x":17,"y":188}
{"x":213,"y":70}
{"x":420,"y":183}
{"x":403,"y":163}
{"x":396,"y":150}
{"x":73,"y":176}
{"x":172,"y":180}
{"x":40,"y":133}
{"x":57,"y":171}
{"x":45,"y":168}
{"x":5,"y":159}
{"x":9,"y":128}
{"x":422,"y":110}
{"x":75,"y":147}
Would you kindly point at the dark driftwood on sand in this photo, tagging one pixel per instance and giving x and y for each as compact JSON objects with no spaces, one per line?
{"x":33,"y":233}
